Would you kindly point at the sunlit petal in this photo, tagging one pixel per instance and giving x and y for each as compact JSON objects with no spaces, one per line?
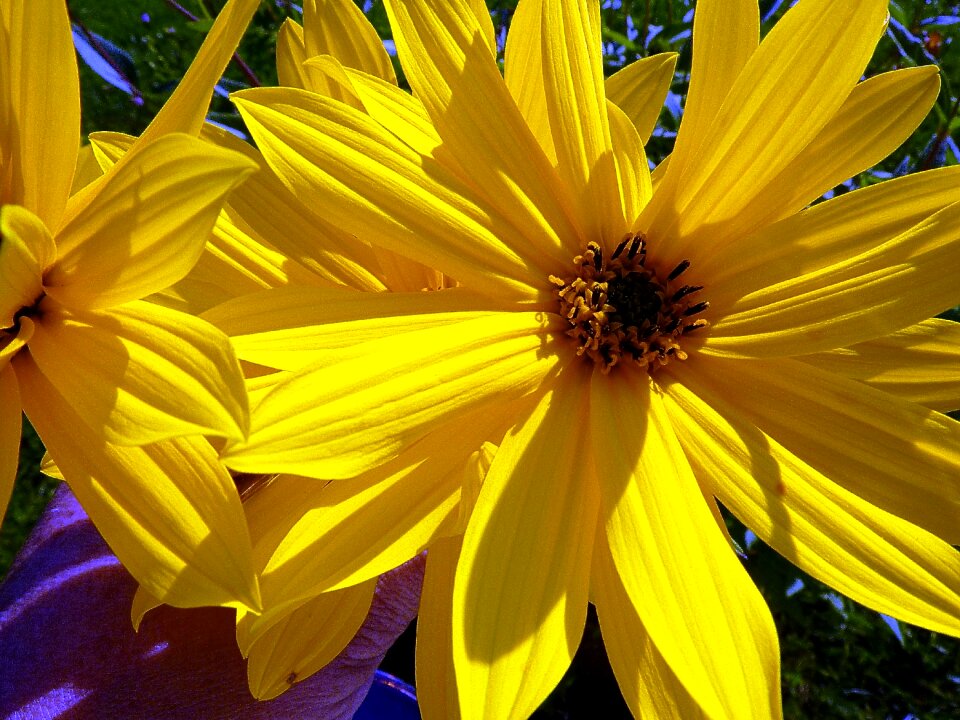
{"x":288,"y":328}
{"x":726,"y":35}
{"x":898,"y":456}
{"x":786,"y":93}
{"x":339,"y":419}
{"x":571,"y":72}
{"x":648,"y":683}
{"x":451,"y":68}
{"x":897,"y":282}
{"x":365,"y":181}
{"x":874,"y":120}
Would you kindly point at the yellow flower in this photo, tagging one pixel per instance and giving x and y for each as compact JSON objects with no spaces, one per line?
{"x":120,"y":390}
{"x":635,"y":353}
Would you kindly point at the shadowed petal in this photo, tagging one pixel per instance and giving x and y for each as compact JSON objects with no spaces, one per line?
{"x":872,"y":556}
{"x":436,"y":682}
{"x":520,"y":595}
{"x":918,"y":363}
{"x":26,"y":250}
{"x":10,"y":422}
{"x":306,"y":639}
{"x":186,"y":109}
{"x":169,"y":510}
{"x":339,"y":28}
{"x":141,"y":373}
{"x":640,"y":88}
{"x":39,"y":107}
{"x":686,"y":584}
{"x":125,"y":243}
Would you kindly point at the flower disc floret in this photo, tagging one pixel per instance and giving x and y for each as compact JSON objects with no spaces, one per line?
{"x":622,"y":306}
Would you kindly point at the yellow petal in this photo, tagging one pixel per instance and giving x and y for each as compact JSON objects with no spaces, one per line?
{"x":339,"y":419}
{"x":185,"y":110}
{"x":825,"y":234}
{"x":901,"y":457}
{"x":291,"y":52}
{"x":640,"y":88}
{"x":648,"y":683}
{"x":725,"y":36}
{"x":142,"y":373}
{"x":262,"y":207}
{"x":143,"y":602}
{"x":39,"y":107}
{"x":572,"y":76}
{"x":451,"y":68}
{"x":169,"y":511}
{"x":686,"y":584}
{"x":436,"y":683}
{"x":233,"y":264}
{"x":522,"y":55}
{"x":399,"y":112}
{"x":347,"y":168}
{"x":520,"y":595}
{"x":325,"y":75}
{"x":895,"y":283}
{"x":339,"y":28}
{"x":88,"y":169}
{"x":125,"y":243}
{"x":306,"y":640}
{"x":630,"y":160}
{"x":874,"y":120}
{"x":289,"y":328}
{"x":26,"y":250}
{"x":872,"y":556}
{"x":349,"y":531}
{"x":918,"y":363}
{"x":10,"y":423}
{"x":786,"y":93}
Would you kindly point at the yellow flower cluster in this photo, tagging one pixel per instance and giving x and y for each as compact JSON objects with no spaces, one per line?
{"x":470,"y":320}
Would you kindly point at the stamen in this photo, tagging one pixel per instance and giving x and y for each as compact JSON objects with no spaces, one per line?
{"x":621,"y":306}
{"x":678,"y":270}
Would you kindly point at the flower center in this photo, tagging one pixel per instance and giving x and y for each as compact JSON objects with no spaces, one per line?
{"x":622,"y":307}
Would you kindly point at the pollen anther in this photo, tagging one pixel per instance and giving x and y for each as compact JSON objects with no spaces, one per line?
{"x":622,"y":307}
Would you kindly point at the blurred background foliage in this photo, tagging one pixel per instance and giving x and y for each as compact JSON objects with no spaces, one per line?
{"x":840,"y":660}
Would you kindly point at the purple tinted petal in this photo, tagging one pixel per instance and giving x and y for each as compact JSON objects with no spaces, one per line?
{"x":68,"y":649}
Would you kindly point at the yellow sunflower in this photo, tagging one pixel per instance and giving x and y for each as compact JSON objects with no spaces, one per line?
{"x":636,"y":347}
{"x":121,"y":390}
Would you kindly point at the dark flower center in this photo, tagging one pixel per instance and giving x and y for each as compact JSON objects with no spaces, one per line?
{"x":623,"y":307}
